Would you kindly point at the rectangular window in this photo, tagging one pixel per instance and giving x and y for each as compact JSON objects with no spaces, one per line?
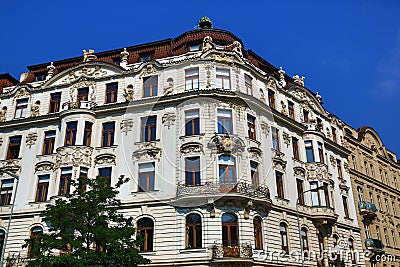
{"x":326,"y":195}
{"x":372,"y":170}
{"x":149,"y":126}
{"x":65,"y":181}
{"x":394,"y":239}
{"x":275,"y":139}
{"x":306,"y":115}
{"x":105,"y":174}
{"x":14,"y":146}
{"x":315,"y":198}
{"x":222,"y":80}
{"x":385,"y":233}
{"x":224,"y":121}
{"x":279,"y":184}
{"x":255,"y":178}
{"x":21,"y":108}
{"x":271,"y":99}
{"x":42,"y":188}
{"x":108,"y":134}
{"x":146,"y":57}
{"x":334,"y":134}
{"x":48,"y":143}
{"x":339,"y":169}
{"x":70,"y":133}
{"x":150,"y":86}
{"x":295,"y":144}
{"x":111,"y":92}
{"x":227,"y":171}
{"x":87,"y":133}
{"x":83,"y":176}
{"x":251,"y":124}
{"x":345,"y":207}
{"x":300,"y":190}
{"x":194,"y":47}
{"x":309,"y":151}
{"x":291,"y":109}
{"x":192,"y":122}
{"x":320,"y":152}
{"x":55,"y":99}
{"x":6,"y":191}
{"x":378,"y":197}
{"x":192,"y":171}
{"x":146,"y":177}
{"x":248,"y":84}
{"x":83,"y":94}
{"x":192,"y":79}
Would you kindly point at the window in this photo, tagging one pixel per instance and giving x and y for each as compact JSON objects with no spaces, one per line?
{"x":315,"y":198}
{"x":284,"y":238}
{"x":394,"y":239}
{"x":6,"y":191}
{"x":149,"y":125}
{"x":275,"y":139}
{"x":55,"y":99}
{"x":48,"y":143}
{"x":70,"y":133}
{"x":345,"y":207}
{"x":254,"y":174}
{"x":326,"y":195}
{"x":83,"y":176}
{"x":371,"y":198}
{"x":378,"y":197}
{"x":150,"y":86}
{"x":291,"y":109}
{"x":13,"y":147}
{"x":222,"y":80}
{"x":35,"y":235}
{"x":386,"y":205}
{"x":105,"y":174}
{"x":192,"y":171}
{"x":146,"y":57}
{"x":378,"y":233}
{"x":304,"y":240}
{"x":2,"y":237}
{"x":192,"y":79}
{"x":385,"y":233}
{"x":224,"y":121}
{"x":251,"y":124}
{"x":65,"y":181}
{"x":279,"y":184}
{"x":248,"y":84}
{"x":145,"y":229}
{"x":320,"y":152}
{"x":309,"y":151}
{"x":108,"y":134}
{"x":306,"y":115}
{"x":87,"y":134}
{"x":195,"y":47}
{"x":83,"y":94}
{"x":334,"y":134}
{"x":271,"y":99}
{"x":192,"y":122}
{"x":258,"y":239}
{"x":146,"y":177}
{"x":42,"y":188}
{"x":193,"y":231}
{"x":394,"y":207}
{"x":111,"y":92}
{"x":339,"y":168}
{"x":230,"y":230}
{"x":21,"y":108}
{"x":386,"y":178}
{"x":300,"y":190}
{"x":227,"y":170}
{"x":295,"y":144}
{"x":351,"y":248}
{"x":372,"y":170}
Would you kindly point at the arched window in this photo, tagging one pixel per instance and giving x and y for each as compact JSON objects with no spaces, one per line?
{"x":193,"y":231}
{"x":145,"y":228}
{"x":33,"y":248}
{"x":258,"y":240}
{"x":304,"y":240}
{"x":2,"y":236}
{"x":284,"y":237}
{"x":230,"y":230}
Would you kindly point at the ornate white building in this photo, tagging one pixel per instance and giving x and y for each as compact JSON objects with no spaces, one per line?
{"x":218,"y":145}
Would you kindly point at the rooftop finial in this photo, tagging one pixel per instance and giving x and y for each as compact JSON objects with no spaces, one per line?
{"x":205,"y":23}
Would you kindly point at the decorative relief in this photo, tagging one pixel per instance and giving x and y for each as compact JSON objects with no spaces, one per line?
{"x":298,"y":80}
{"x":128,"y":93}
{"x":31,"y":139}
{"x":35,"y":109}
{"x":124,"y":57}
{"x":265,"y":128}
{"x":299,"y":171}
{"x":74,"y":155}
{"x":50,"y":71}
{"x":207,"y":43}
{"x":88,"y":55}
{"x":168,"y":119}
{"x":12,"y":165}
{"x":168,"y":90}
{"x":226,"y":144}
{"x":147,"y":150}
{"x":346,"y":167}
{"x":282,"y":81}
{"x":22,"y":92}
{"x":317,"y":171}
{"x":209,"y":67}
{"x":332,"y":160}
{"x":126,"y":126}
{"x":286,"y":139}
{"x":44,"y":166}
{"x":3,"y":114}
{"x":283,"y":108}
{"x":86,"y":71}
{"x":104,"y":159}
{"x":236,"y":69}
{"x":254,"y":152}
{"x":191,"y":147}
{"x":148,"y":70}
{"x":278,"y":160}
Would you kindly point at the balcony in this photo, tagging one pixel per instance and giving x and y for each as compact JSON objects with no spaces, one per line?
{"x":82,"y":104}
{"x":242,"y":252}
{"x":374,"y":245}
{"x":367,"y":209}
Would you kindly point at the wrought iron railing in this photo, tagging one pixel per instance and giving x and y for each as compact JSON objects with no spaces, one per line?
{"x":372,"y":243}
{"x":367,"y":206}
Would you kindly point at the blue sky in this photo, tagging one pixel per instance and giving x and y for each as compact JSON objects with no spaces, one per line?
{"x":349,"y":51}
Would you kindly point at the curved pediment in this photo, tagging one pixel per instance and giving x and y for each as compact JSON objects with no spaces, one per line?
{"x":20,"y":91}
{"x":307,"y":98}
{"x":87,"y":70}
{"x":371,"y":139}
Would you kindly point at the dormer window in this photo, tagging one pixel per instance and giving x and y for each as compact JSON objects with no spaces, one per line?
{"x":146,"y":57}
{"x":40,"y":77}
{"x":194,"y":47}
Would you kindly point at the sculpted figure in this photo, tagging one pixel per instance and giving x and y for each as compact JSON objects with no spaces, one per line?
{"x":50,"y":70}
{"x":237,"y":47}
{"x":88,"y":55}
{"x":124,"y":56}
{"x":35,"y":109}
{"x":298,"y":80}
{"x":283,"y":110}
{"x":129,"y":93}
{"x":207,"y":43}
{"x":3,"y":114}
{"x":170,"y":87}
{"x":262,"y":96}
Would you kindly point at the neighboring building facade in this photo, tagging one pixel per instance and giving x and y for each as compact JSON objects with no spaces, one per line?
{"x":374,"y":172}
{"x":218,"y":143}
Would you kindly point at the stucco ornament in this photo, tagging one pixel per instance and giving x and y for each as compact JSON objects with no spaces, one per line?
{"x":226,"y":144}
{"x":50,"y":71}
{"x":74,"y":155}
{"x":44,"y":166}
{"x":147,"y":150}
{"x":282,"y":81}
{"x":128,"y":93}
{"x":191,"y":147}
{"x":124,"y":57}
{"x":104,"y":159}
{"x":22,"y":92}
{"x":237,"y":48}
{"x":283,"y":108}
{"x":3,"y":114}
{"x":298,"y":80}
{"x":207,"y":43}
{"x":168,"y":119}
{"x":88,"y":55}
{"x":168,"y":90}
{"x":126,"y":125}
{"x":318,"y":97}
{"x":31,"y":139}
{"x":35,"y":109}
{"x":262,"y":96}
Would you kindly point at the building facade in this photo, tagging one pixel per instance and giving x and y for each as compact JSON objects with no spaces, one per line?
{"x":374,"y":171}
{"x":220,"y":147}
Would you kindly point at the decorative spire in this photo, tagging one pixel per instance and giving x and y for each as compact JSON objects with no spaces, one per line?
{"x":205,"y":23}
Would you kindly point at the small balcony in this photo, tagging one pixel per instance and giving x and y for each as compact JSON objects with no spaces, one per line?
{"x":367,"y":209}
{"x":79,"y":104}
{"x":242,"y":252}
{"x":374,"y":245}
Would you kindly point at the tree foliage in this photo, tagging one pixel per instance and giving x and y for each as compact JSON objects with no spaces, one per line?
{"x":86,"y":228}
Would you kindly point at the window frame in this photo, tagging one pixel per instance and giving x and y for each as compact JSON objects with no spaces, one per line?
{"x":54,"y":105}
{"x":194,"y":122}
{"x":248,"y":84}
{"x":283,"y":231}
{"x":149,"y":127}
{"x":111,"y":93}
{"x":108,"y":176}
{"x":224,"y":75}
{"x":148,"y":244}
{"x":192,"y":79}
{"x":87,"y":133}
{"x":21,"y":108}
{"x":49,"y":142}
{"x":108,"y":135}
{"x":271,"y":99}
{"x":14,"y":148}
{"x":251,"y":127}
{"x":151,"y":85}
{"x":194,"y":235}
{"x":65,"y":181}
{"x":280,"y":188}
{"x":150,"y":177}
{"x":275,"y":139}
{"x":42,"y":188}
{"x":222,"y":121}
{"x":295,"y":148}
{"x":7,"y":191}
{"x":258,"y":233}
{"x":194,"y":170}
{"x":70,"y":133}
{"x":310,"y":157}
{"x":291,"y":110}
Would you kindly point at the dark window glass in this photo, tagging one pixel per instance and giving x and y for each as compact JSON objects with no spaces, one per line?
{"x":21,"y":108}
{"x":251,"y":124}
{"x":87,"y":134}
{"x":105,"y":173}
{"x":320,"y":152}
{"x":309,"y":151}
{"x":295,"y":144}
{"x":149,"y":125}
{"x":146,"y":177}
{"x":150,"y":86}
{"x":254,"y":174}
{"x":55,"y":99}
{"x":230,"y":230}
{"x":13,"y":147}
{"x":193,"y":231}
{"x":108,"y":134}
{"x":284,"y":238}
{"x":291,"y":109}
{"x":345,"y":207}
{"x":70,"y":134}
{"x":271,"y":99}
{"x":192,"y":171}
{"x":6,"y":191}
{"x":279,"y":184}
{"x":42,"y":188}
{"x":35,"y":235}
{"x":258,"y":240}
{"x":225,"y":121}
{"x":65,"y":181}
{"x":227,"y":170}
{"x":248,"y":84}
{"x":300,"y":190}
{"x":48,"y":143}
{"x":145,"y":228}
{"x":83,"y":94}
{"x":111,"y":92}
{"x":192,"y":122}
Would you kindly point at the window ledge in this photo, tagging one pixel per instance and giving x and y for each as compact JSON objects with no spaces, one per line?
{"x":146,"y":192}
{"x":148,"y":252}
{"x":105,"y":147}
{"x":193,"y":135}
{"x":38,"y":202}
{"x":192,"y":250}
{"x":282,"y":199}
{"x":146,"y":142}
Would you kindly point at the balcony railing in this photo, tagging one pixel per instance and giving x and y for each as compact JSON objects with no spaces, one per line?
{"x":374,"y":244}
{"x":82,"y":104}
{"x":367,"y":208}
{"x":244,"y":252}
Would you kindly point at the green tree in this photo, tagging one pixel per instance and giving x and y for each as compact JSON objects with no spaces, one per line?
{"x":86,"y":228}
